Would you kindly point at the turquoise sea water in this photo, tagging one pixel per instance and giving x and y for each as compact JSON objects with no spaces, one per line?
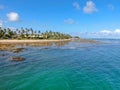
{"x":72,"y":66}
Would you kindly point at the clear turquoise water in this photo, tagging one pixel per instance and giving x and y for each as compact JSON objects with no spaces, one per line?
{"x":74,"y":66}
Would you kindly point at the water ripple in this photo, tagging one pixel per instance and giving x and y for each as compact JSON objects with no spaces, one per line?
{"x":74,"y":66}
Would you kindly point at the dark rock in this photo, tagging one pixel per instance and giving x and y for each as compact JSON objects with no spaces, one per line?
{"x":46,"y":48}
{"x":17,"y":50}
{"x":17,"y":58}
{"x":2,"y":55}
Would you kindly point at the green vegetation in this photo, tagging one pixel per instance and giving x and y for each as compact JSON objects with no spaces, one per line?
{"x":30,"y":34}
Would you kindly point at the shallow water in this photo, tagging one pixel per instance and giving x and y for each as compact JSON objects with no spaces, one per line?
{"x":70,"y":66}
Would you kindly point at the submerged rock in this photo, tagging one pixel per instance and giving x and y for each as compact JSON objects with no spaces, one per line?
{"x":17,"y":50}
{"x":17,"y":58}
{"x":46,"y":48}
{"x":2,"y":55}
{"x":6,"y":47}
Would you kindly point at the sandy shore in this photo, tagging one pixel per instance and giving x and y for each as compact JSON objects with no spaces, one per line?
{"x":31,"y":41}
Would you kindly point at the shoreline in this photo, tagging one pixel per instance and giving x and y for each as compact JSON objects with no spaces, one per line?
{"x":10,"y":45}
{"x":31,"y":41}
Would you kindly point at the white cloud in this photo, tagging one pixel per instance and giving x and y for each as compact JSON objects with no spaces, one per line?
{"x":1,"y":7}
{"x":109,"y":33}
{"x":69,"y":21}
{"x":117,"y":31}
{"x":106,"y":31}
{"x":76,"y":5}
{"x":1,"y":23}
{"x":90,"y":7}
{"x":13,"y":16}
{"x":111,"y":7}
{"x":101,"y":34}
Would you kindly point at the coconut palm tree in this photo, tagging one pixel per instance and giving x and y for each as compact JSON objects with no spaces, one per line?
{"x":30,"y":33}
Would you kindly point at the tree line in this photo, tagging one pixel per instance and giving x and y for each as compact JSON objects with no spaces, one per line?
{"x":25,"y":33}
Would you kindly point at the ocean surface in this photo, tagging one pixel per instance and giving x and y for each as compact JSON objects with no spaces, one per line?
{"x":63,"y":66}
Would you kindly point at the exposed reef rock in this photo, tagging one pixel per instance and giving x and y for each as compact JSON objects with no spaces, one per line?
{"x":1,"y":55}
{"x":17,"y":58}
{"x":17,"y":50}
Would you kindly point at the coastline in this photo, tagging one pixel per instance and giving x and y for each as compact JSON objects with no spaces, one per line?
{"x":31,"y":41}
{"x":10,"y":45}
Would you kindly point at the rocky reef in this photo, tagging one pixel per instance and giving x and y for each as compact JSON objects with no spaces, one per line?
{"x":17,"y":58}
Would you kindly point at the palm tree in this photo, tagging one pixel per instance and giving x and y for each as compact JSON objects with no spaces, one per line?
{"x":24,"y":34}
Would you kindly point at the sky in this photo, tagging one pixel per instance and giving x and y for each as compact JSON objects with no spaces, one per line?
{"x":86,"y":18}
